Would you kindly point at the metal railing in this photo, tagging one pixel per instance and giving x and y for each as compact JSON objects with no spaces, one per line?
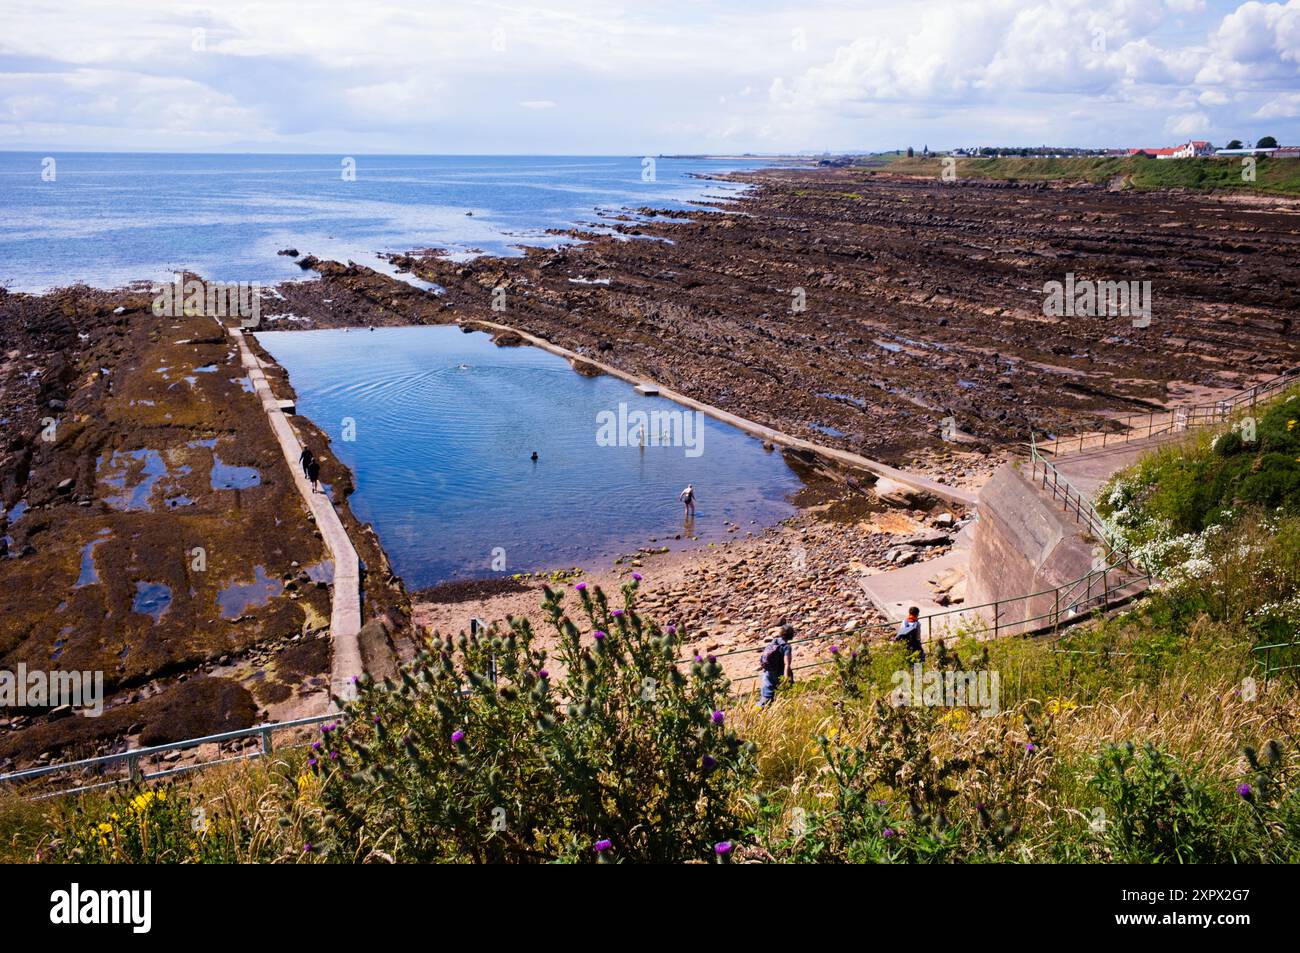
{"x":1072,"y":500}
{"x":1047,"y":611}
{"x":134,"y":761}
{"x":1176,"y":420}
{"x":1037,"y":613}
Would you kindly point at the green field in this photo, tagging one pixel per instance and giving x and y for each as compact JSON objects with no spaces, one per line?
{"x":1274,"y":176}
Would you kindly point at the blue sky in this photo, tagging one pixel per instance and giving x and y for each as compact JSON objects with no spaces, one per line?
{"x":589,"y":76}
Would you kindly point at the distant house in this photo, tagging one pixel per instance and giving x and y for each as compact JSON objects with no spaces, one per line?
{"x":1153,"y":153}
{"x":1196,"y":148}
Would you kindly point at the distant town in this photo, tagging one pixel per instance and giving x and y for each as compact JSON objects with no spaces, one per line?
{"x":1192,"y":149}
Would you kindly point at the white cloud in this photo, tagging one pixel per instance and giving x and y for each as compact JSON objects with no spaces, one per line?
{"x":437,"y":75}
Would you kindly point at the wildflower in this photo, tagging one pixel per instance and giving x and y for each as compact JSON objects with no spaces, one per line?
{"x":1246,"y":791}
{"x":718,"y":717}
{"x":722,"y":848}
{"x":543,"y":674}
{"x":1030,"y":746}
{"x":707,"y":762}
{"x":457,"y":736}
{"x":835,"y":650}
{"x":581,"y":587}
{"x":636,"y":576}
{"x":315,"y":746}
{"x":602,"y":845}
{"x":888,"y":832}
{"x":307,"y":848}
{"x":334,"y":755}
{"x":618,"y":613}
{"x":672,"y":630}
{"x":598,"y":635}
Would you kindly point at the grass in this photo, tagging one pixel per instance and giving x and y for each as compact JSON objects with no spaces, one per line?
{"x":1273,"y":176}
{"x":1155,"y":735}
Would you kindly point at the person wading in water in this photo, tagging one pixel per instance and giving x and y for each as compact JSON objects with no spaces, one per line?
{"x":687,"y":496}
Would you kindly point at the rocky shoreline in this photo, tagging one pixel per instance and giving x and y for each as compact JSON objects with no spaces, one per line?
{"x":892,"y":317}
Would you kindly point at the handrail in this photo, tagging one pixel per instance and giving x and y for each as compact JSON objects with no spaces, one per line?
{"x":133,"y":757}
{"x":1062,"y":614}
{"x":1175,"y":419}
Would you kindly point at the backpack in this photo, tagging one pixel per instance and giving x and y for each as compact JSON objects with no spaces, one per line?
{"x":772,"y":660}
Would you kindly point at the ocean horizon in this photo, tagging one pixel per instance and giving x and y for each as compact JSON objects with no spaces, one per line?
{"x":109,"y":219}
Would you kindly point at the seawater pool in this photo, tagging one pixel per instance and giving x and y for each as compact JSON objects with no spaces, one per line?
{"x":439,"y":426}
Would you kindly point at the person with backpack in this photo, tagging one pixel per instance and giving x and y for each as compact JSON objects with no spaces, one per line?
{"x":776,"y":662}
{"x":909,"y":633}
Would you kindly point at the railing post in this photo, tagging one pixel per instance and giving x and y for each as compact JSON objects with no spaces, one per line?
{"x":1056,"y":611}
{"x":133,"y":768}
{"x":997,"y":610}
{"x":267,"y":743}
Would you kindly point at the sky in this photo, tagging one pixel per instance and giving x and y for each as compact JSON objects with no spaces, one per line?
{"x":653,"y":77}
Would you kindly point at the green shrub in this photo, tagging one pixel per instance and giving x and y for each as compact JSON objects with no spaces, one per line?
{"x":617,"y":755}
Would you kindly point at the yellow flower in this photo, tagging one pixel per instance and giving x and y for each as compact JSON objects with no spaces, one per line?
{"x":956,"y":719}
{"x":1060,"y":706}
{"x":1290,"y":424}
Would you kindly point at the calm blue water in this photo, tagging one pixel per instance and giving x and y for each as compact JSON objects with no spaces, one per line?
{"x":445,"y":423}
{"x":109,"y":219}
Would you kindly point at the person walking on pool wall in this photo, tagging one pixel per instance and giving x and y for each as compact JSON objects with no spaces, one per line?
{"x":305,"y":459}
{"x":313,"y":474}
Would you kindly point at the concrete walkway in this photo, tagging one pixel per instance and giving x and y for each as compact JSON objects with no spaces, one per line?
{"x":345,"y":614}
{"x":893,"y":592}
{"x":952,"y":494}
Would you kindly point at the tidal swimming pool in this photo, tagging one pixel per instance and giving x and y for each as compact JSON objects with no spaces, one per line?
{"x":438,"y":426}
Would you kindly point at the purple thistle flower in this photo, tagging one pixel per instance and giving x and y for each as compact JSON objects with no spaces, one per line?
{"x":581,"y":587}
{"x":636,"y":576}
{"x":718,"y":717}
{"x":722,"y":848}
{"x":707,"y":762}
{"x":315,"y":746}
{"x":602,"y":845}
{"x":618,"y":613}
{"x":1244,"y":789}
{"x":598,"y":635}
{"x":457,"y":736}
{"x":376,"y":719}
{"x":306,"y":848}
{"x":1030,"y":746}
{"x":543,"y":674}
{"x":311,"y":762}
{"x":888,"y":832}
{"x":672,"y":630}
{"x":334,"y":755}
{"x":835,"y":650}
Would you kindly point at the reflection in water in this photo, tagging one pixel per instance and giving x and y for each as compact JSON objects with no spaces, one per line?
{"x":236,"y":597}
{"x":443,"y":428}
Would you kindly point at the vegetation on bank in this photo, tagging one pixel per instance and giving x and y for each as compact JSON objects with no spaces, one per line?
{"x":1274,"y":176}
{"x":1167,"y":733}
